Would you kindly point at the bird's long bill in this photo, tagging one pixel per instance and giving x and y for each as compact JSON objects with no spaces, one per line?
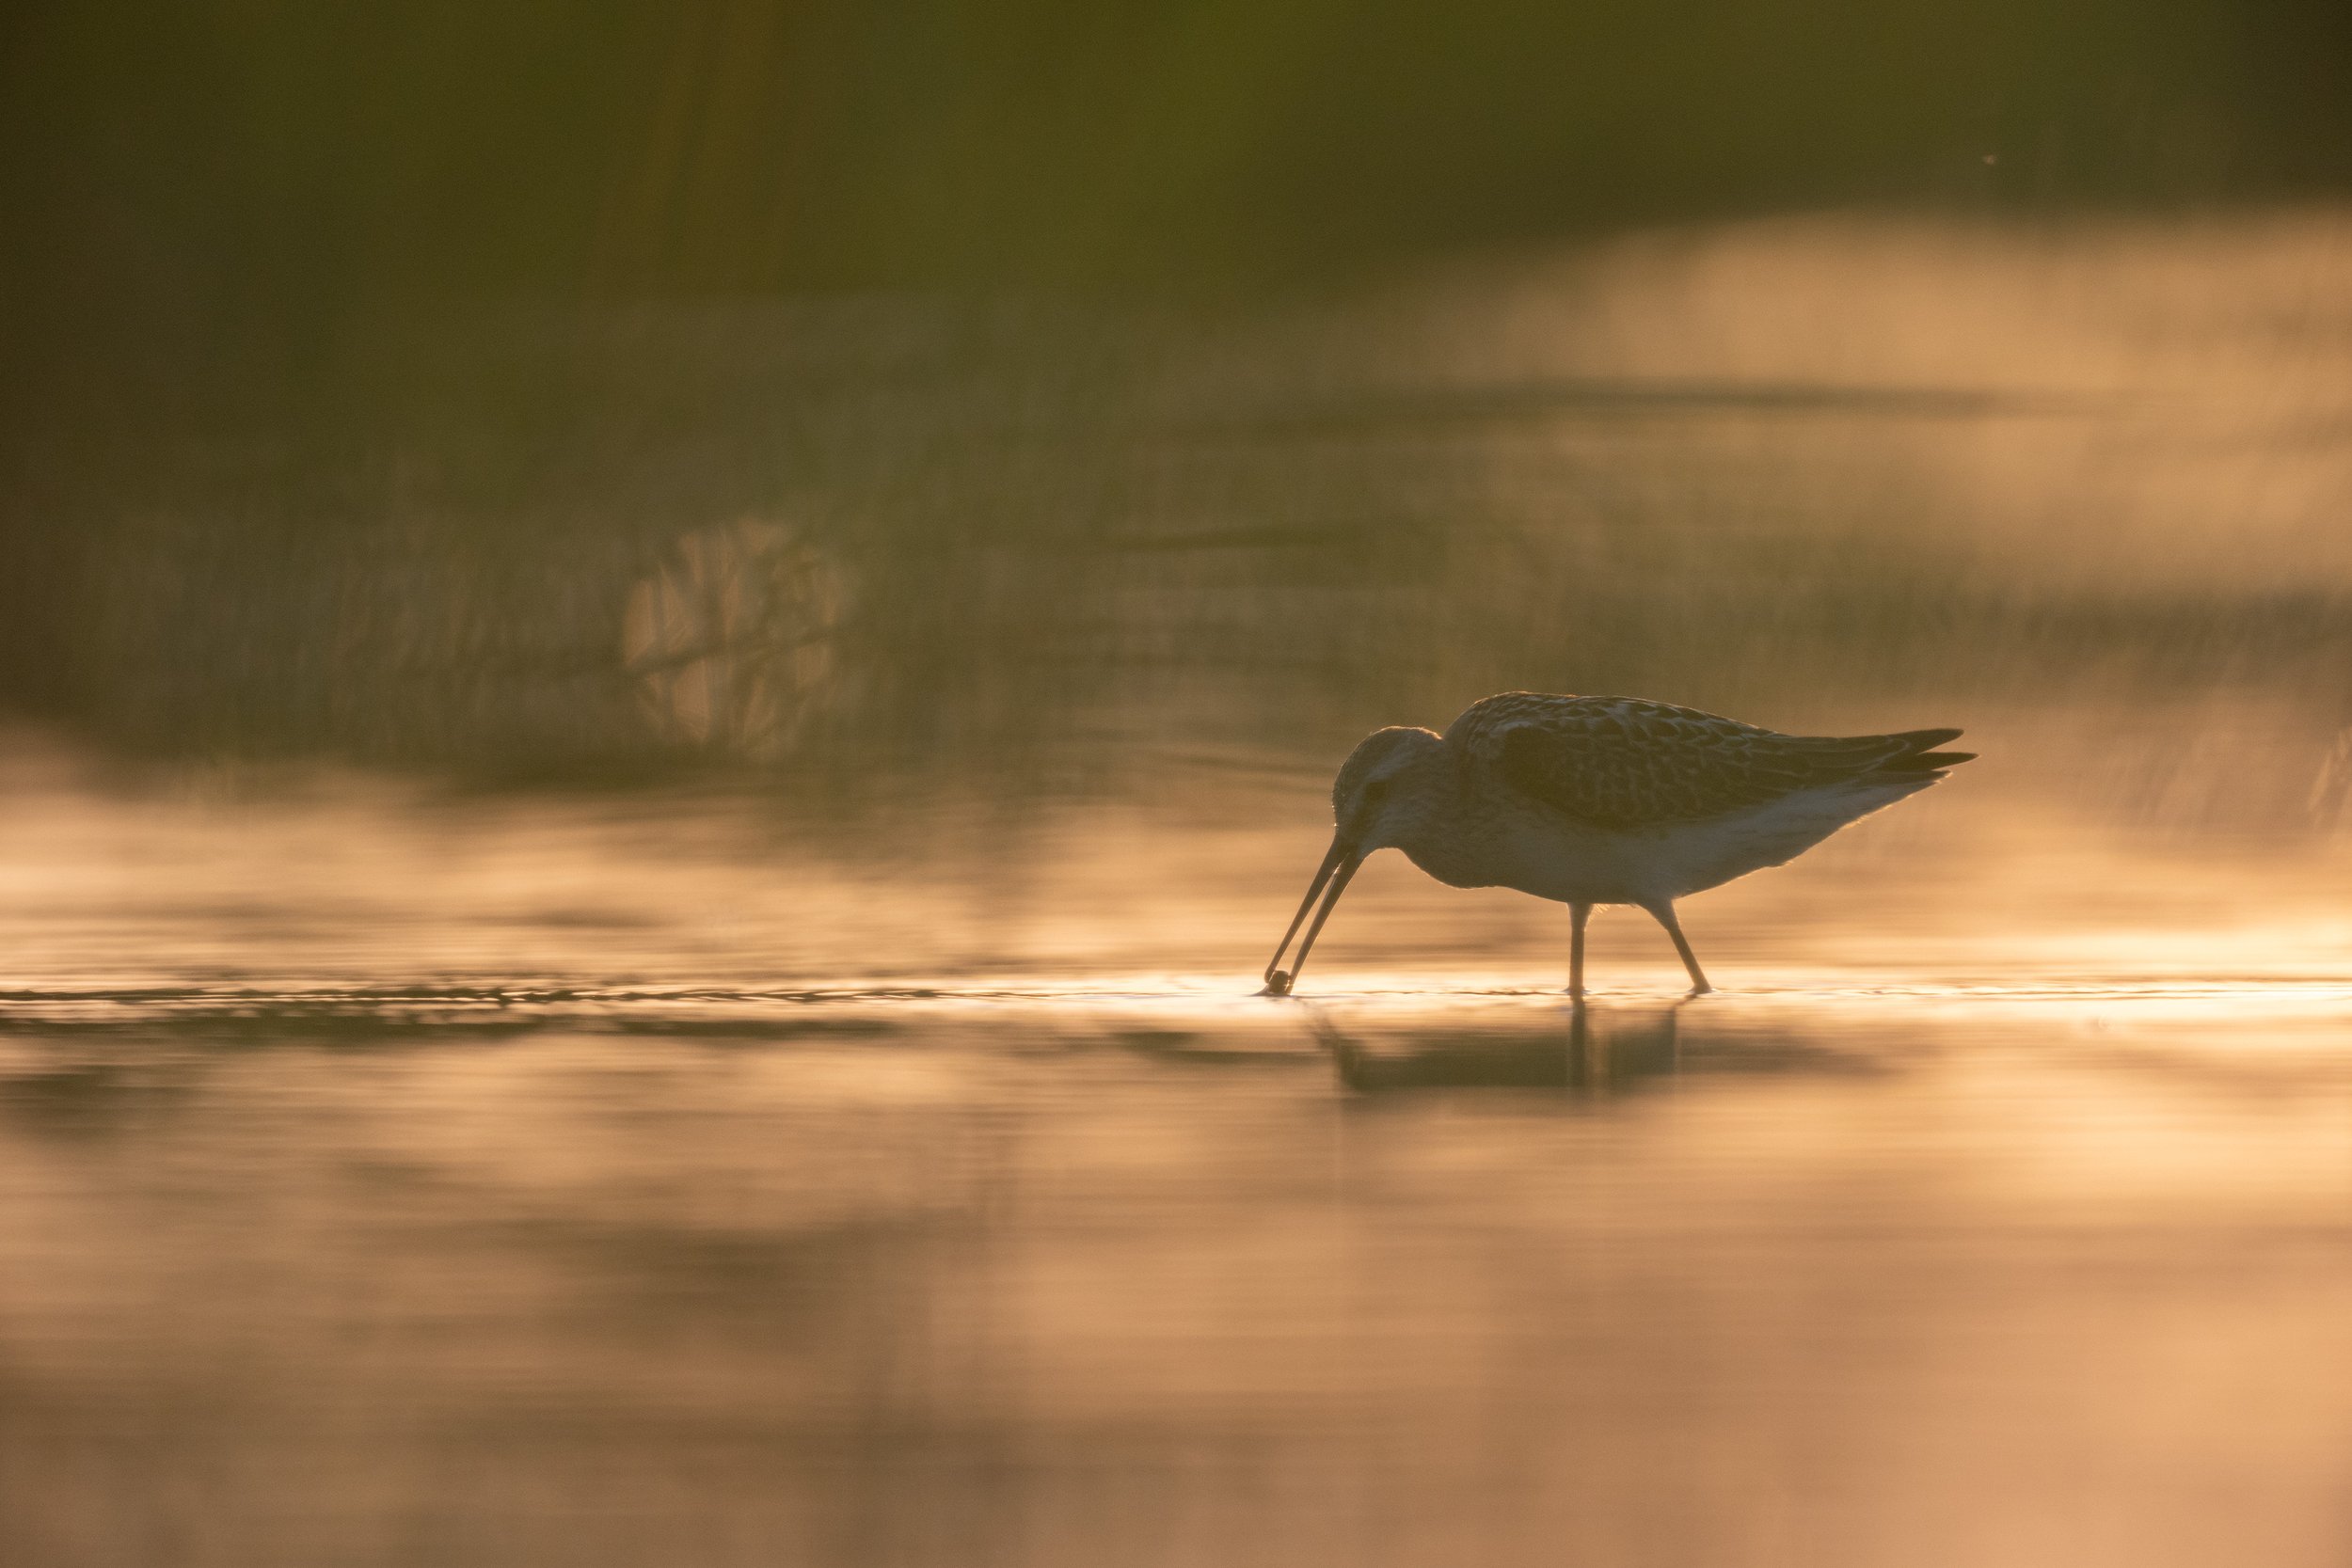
{"x":1337,"y":868}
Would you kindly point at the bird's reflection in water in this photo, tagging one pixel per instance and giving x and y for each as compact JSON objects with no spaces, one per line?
{"x":1579,"y":1048}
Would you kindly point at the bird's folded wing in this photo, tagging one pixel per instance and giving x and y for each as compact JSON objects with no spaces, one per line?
{"x":1623,"y":762}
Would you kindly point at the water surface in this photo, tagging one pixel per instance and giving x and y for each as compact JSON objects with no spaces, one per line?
{"x":1157,"y":1273}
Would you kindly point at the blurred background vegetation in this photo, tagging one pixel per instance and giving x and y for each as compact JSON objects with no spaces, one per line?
{"x":595,"y":389}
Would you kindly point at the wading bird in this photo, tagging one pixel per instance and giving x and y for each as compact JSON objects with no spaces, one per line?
{"x":1602,"y":800}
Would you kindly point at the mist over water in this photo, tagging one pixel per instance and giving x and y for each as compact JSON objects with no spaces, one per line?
{"x":1033,"y":633}
{"x":652,"y":963}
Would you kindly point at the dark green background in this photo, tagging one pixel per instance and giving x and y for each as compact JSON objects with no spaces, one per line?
{"x":276,"y":275}
{"x":180,"y":180}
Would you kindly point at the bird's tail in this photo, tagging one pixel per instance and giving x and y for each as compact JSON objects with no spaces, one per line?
{"x":1919,"y":755}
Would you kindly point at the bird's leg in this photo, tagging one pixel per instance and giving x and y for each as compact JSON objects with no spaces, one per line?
{"x":1664,"y":915}
{"x":1578,"y":914}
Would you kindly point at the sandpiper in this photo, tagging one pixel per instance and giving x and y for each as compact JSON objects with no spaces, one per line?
{"x":1602,"y":800}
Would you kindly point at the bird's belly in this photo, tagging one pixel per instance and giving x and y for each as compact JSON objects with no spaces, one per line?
{"x":1699,"y":855}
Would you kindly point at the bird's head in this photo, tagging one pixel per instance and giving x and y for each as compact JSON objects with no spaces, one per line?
{"x":1384,"y":789}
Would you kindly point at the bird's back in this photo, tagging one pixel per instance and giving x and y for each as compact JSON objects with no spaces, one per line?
{"x":1622,"y":798}
{"x":1628,"y":763}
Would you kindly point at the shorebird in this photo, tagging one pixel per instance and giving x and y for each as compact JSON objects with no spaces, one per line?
{"x":1592,"y":801}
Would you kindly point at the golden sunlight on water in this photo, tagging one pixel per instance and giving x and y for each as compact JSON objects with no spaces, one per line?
{"x":1070,"y":1279}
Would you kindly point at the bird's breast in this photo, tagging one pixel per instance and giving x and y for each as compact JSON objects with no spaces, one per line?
{"x":1493,"y":844}
{"x":1450,"y":864}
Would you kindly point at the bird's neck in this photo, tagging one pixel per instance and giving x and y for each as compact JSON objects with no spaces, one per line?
{"x":1441,"y":833}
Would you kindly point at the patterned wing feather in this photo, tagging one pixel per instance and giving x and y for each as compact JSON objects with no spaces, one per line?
{"x":1627,"y":762}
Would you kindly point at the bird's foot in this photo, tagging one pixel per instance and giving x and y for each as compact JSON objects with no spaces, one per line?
{"x":1278,"y":983}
